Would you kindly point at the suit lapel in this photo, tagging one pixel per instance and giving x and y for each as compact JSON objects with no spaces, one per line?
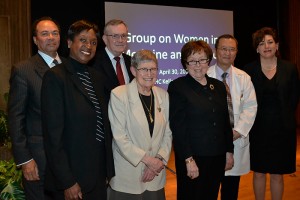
{"x":158,"y":113}
{"x":109,"y":69}
{"x":74,"y":78}
{"x":40,"y":65}
{"x":137,"y":109}
{"x":98,"y":86}
{"x":127,"y":60}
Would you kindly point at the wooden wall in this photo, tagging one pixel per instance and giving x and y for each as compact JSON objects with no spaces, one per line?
{"x":15,"y":37}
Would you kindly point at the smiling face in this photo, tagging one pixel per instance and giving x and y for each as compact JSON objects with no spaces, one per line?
{"x":199,"y":70}
{"x":226,"y":52}
{"x":83,"y":46}
{"x":146,"y":75}
{"x":116,"y":45}
{"x":47,"y":37}
{"x":267,"y":47}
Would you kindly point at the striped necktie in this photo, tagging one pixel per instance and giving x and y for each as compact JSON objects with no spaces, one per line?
{"x":88,"y":85}
{"x":229,"y":100}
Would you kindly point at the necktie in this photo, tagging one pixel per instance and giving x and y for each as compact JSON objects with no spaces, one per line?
{"x":55,"y":62}
{"x":88,"y":85}
{"x":119,"y":71}
{"x":229,"y":100}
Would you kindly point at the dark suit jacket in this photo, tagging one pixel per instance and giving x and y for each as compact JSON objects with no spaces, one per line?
{"x":69,"y":126}
{"x":288,"y":88}
{"x":103,"y":64}
{"x":199,"y":118}
{"x":24,"y":113}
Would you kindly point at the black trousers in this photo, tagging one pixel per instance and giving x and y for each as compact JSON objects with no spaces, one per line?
{"x":34,"y":190}
{"x":230,"y":187}
{"x":206,"y":185}
{"x":98,"y":193}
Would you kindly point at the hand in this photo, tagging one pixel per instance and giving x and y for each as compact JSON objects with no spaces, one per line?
{"x":229,"y":161}
{"x":30,"y":171}
{"x":73,"y":193}
{"x":236,"y":135}
{"x":192,"y":169}
{"x":148,"y":175}
{"x":154,"y":164}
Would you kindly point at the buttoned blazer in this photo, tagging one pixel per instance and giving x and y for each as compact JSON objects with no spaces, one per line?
{"x":244,"y":108}
{"x":69,"y":126}
{"x":24,"y":108}
{"x":199,"y":118}
{"x":103,"y":64}
{"x":288,"y":88}
{"x":132,"y":140}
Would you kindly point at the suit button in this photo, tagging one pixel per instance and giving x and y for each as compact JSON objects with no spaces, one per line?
{"x":213,"y":110}
{"x":210,"y":98}
{"x":215,"y":123}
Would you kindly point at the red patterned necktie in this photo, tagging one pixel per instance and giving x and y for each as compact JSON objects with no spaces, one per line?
{"x":119,"y":71}
{"x":229,"y":100}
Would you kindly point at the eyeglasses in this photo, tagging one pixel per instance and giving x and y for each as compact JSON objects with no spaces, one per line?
{"x":146,"y":70}
{"x":117,"y":36}
{"x":194,"y":62}
{"x":230,"y":50}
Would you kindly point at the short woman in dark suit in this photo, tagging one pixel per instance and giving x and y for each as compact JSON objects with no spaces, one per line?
{"x":199,"y":121}
{"x":273,"y":135}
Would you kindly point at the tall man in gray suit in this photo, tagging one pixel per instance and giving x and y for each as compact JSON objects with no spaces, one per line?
{"x":24,"y":113}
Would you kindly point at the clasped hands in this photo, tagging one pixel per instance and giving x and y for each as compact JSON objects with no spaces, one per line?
{"x":153,"y":168}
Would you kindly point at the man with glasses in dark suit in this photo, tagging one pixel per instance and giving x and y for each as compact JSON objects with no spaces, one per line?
{"x":108,"y":60}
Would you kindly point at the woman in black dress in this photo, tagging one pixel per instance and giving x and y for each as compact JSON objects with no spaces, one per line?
{"x":273,"y":135}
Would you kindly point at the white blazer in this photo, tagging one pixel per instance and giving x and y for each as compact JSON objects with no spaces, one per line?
{"x":244,"y":109}
{"x":132,"y":140}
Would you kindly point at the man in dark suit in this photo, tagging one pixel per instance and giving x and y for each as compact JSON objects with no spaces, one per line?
{"x":24,"y":112}
{"x":115,"y":38}
{"x":76,"y":128}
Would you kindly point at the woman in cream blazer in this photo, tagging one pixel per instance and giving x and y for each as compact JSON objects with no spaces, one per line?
{"x":142,"y":139}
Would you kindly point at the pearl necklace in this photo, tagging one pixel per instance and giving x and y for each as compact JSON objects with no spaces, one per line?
{"x":264,"y":68}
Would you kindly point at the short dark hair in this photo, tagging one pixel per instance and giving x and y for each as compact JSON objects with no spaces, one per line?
{"x":81,"y":25}
{"x":45,"y":18}
{"x":193,"y":47}
{"x":225,"y":36}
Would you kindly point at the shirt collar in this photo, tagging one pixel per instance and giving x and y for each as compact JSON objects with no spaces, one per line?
{"x":48,"y":59}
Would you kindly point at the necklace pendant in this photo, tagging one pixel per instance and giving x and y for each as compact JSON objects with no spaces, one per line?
{"x":151,"y":118}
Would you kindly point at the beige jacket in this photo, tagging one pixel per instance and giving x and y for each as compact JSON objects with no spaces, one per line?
{"x":132,"y":140}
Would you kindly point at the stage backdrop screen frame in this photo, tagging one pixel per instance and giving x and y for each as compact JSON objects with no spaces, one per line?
{"x":165,"y":29}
